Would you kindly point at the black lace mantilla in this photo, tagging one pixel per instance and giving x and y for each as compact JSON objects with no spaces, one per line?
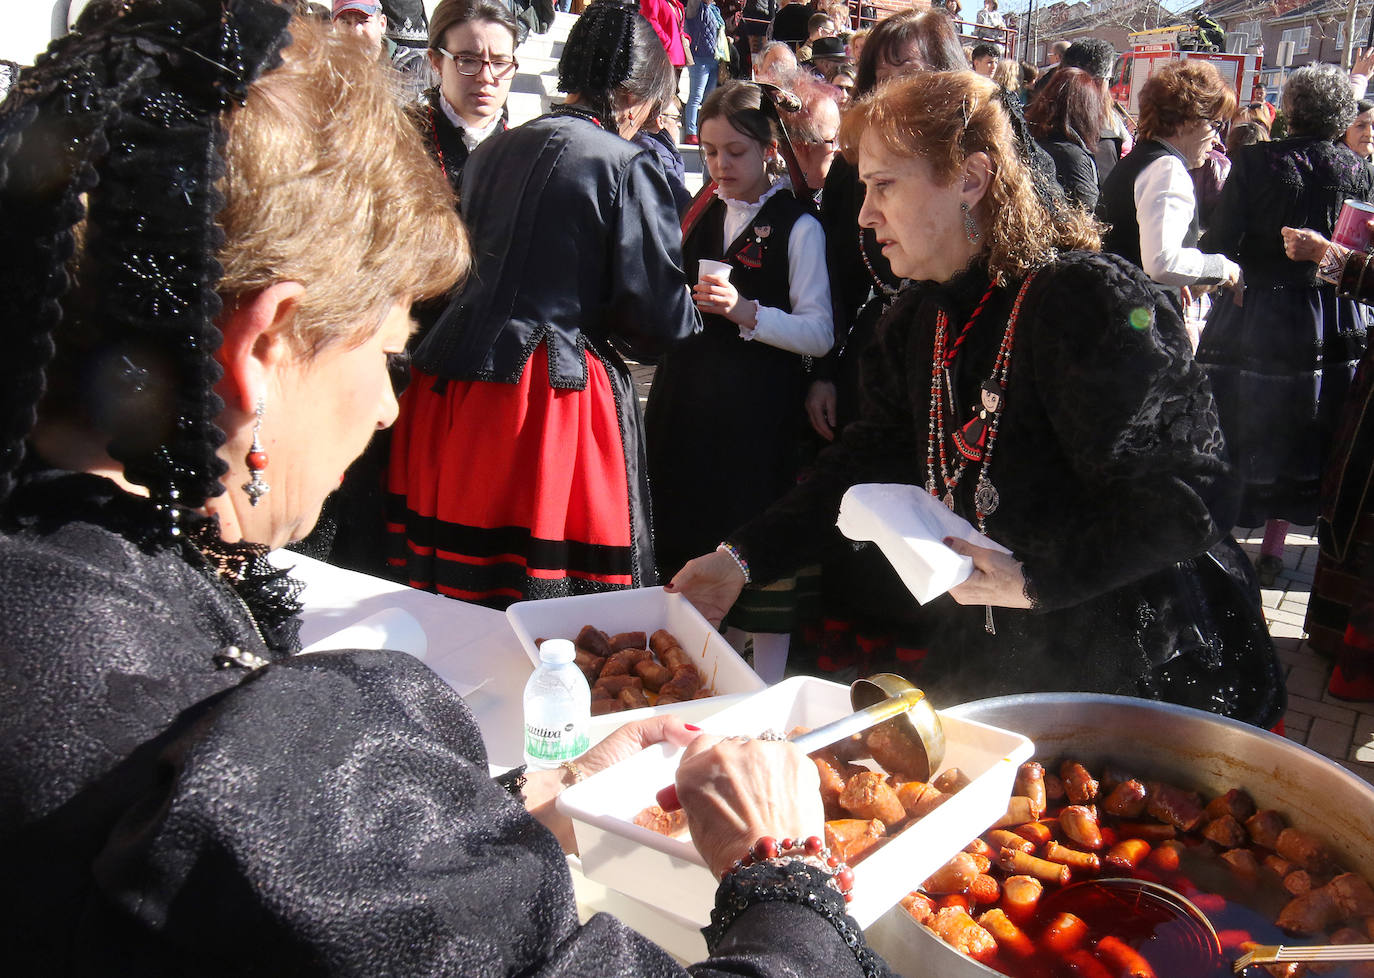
{"x":271,"y":595}
{"x":792,"y":881}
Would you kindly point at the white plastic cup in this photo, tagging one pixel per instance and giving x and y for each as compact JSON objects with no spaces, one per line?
{"x":712,"y":269}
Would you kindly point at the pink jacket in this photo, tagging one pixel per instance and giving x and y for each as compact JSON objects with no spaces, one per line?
{"x":666,"y":17}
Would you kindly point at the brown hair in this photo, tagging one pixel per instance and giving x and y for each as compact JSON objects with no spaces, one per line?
{"x":943,"y":118}
{"x":1178,"y":93}
{"x":328,"y":184}
{"x":1070,"y":105}
{"x":740,"y":104}
{"x":936,"y":43}
{"x":454,"y":13}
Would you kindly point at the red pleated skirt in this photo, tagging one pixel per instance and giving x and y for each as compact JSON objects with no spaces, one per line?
{"x":503,"y":492}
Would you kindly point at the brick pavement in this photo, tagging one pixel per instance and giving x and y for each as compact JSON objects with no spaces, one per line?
{"x":1343,"y":732}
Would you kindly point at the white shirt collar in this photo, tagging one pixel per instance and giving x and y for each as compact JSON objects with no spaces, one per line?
{"x":472,"y":138}
{"x":739,"y":213}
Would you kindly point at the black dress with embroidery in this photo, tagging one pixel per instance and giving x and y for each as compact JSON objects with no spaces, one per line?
{"x":328,"y":814}
{"x":1111,"y":469}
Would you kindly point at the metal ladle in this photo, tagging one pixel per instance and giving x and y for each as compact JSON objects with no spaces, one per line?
{"x":881,"y":698}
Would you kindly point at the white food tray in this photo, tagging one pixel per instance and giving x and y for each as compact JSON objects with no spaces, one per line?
{"x":640,"y":610}
{"x":669,"y":874}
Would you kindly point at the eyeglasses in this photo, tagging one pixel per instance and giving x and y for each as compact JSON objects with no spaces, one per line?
{"x":470,"y":64}
{"x":1217,"y":125}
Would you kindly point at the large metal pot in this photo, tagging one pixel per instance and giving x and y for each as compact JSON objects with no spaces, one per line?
{"x":1188,"y":747}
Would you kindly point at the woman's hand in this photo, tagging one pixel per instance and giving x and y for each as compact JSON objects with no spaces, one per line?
{"x":542,"y":788}
{"x":719,"y":297}
{"x":1303,"y":244}
{"x":997,"y":579}
{"x":712,"y":583}
{"x":734,"y":792}
{"x":821,"y":401}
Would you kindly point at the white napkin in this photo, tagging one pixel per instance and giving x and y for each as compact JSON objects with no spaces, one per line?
{"x":909,"y":526}
{"x":391,"y":628}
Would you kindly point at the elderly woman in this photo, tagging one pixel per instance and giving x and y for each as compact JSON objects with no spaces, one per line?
{"x":208,"y":269}
{"x":517,"y":465}
{"x":1281,"y":354}
{"x":1101,"y":469}
{"x":1147,"y":200}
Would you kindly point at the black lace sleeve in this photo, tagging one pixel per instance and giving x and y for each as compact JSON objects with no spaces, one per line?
{"x":1134,"y":416}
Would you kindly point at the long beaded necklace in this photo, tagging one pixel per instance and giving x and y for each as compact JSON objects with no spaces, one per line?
{"x":951,"y":472}
{"x":878,"y":283}
{"x":434,"y":134}
{"x":985,"y":495}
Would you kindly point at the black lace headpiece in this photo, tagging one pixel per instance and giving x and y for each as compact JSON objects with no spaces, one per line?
{"x":597,"y":56}
{"x":118,"y":125}
{"x":1037,"y":161}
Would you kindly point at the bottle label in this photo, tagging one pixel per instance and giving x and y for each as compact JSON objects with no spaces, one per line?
{"x":556,"y":744}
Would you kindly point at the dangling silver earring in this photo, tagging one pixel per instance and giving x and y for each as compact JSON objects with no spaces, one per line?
{"x":970,"y":225}
{"x":256,"y":487}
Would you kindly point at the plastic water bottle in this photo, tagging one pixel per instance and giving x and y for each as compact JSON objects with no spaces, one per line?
{"x":558,"y":707}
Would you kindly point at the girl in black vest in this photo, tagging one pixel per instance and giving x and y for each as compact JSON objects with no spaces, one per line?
{"x":725,"y":413}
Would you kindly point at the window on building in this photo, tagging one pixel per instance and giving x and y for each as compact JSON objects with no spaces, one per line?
{"x":1301,"y":38}
{"x":1361,"y":33}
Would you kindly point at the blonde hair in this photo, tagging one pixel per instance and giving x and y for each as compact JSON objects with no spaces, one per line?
{"x":1007,"y":74}
{"x":943,"y":118}
{"x":327,"y":183}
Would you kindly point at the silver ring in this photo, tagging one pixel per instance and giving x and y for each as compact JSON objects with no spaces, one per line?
{"x":740,"y":738}
{"x":772,"y":735}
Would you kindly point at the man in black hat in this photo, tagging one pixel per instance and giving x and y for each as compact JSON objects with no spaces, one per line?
{"x":827,"y":57}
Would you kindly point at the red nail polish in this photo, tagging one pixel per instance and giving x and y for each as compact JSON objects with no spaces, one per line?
{"x":948,"y":541}
{"x":692,"y":727}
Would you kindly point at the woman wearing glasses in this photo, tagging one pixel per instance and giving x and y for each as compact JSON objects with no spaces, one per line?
{"x":517,"y":465}
{"x":1148,"y":198}
{"x":472,"y":50}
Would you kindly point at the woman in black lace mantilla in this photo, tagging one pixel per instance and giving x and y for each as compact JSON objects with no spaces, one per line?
{"x":215,"y":220}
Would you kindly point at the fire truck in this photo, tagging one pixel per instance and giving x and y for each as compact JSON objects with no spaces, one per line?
{"x":1150,"y":49}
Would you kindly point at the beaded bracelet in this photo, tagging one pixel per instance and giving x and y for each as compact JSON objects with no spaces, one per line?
{"x":739,"y":560}
{"x":811,"y":851}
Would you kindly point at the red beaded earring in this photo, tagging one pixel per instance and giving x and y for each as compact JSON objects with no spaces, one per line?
{"x":256,"y":487}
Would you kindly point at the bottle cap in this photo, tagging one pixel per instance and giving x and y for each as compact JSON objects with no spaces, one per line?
{"x":557,"y":652}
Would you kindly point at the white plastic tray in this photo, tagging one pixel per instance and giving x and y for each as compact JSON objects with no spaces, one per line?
{"x":669,"y":874}
{"x":640,"y":610}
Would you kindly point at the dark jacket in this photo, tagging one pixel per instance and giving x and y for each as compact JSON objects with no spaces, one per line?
{"x":328,"y":814}
{"x":1110,"y":466}
{"x":443,"y":139}
{"x":1116,"y":206}
{"x":1299,"y":183}
{"x":1075,"y":169}
{"x":671,"y":161}
{"x":576,"y":244}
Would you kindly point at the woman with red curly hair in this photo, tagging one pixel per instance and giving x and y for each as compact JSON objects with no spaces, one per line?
{"x":1047,"y":394}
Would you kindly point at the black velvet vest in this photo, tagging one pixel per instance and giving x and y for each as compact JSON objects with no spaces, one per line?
{"x":758,"y":256}
{"x":1116,"y":206}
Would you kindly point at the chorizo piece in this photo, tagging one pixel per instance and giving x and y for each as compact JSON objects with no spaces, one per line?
{"x":1020,"y":810}
{"x":1124,"y":960}
{"x":1354,"y":895}
{"x":1064,"y":933}
{"x":594,"y":640}
{"x":633,"y":698}
{"x":1236,"y":803}
{"x":1001,"y":839}
{"x":951,"y":780}
{"x":1127,"y":800}
{"x":1264,"y":827}
{"x":868,"y":795}
{"x":1167,"y":803}
{"x":601,"y":705}
{"x":1030,"y":783}
{"x":612,"y":685}
{"x":919,"y":906}
{"x":834,"y":773}
{"x":629,"y":640}
{"x":1024,"y":864}
{"x":1011,"y":940}
{"x":589,"y":663}
{"x":1226,"y":832}
{"x":1311,"y":913}
{"x":1079,"y":823}
{"x":1149,"y":831}
{"x":1127,"y":854}
{"x":960,"y":931}
{"x":661,"y":641}
{"x":920,"y":799}
{"x":1079,"y":785}
{"x":654,"y":675}
{"x":1021,"y":897}
{"x":1037,"y":832}
{"x":1304,"y":849}
{"x":850,"y":838}
{"x":955,"y":876}
{"x":1085,"y":862}
{"x":1242,"y":862}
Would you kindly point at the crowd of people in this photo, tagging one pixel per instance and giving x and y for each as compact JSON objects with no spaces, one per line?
{"x":244,"y":240}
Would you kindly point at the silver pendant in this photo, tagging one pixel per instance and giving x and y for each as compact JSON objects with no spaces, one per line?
{"x":988,"y":626}
{"x":986,"y":497}
{"x":949,"y":500}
